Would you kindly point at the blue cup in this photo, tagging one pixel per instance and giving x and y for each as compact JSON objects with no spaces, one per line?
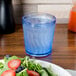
{"x":38,"y":33}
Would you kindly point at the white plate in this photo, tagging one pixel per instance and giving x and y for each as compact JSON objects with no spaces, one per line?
{"x":57,"y":69}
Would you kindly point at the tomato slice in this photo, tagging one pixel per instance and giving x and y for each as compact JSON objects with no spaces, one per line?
{"x":14,"y":64}
{"x":8,"y":73}
{"x":32,"y":73}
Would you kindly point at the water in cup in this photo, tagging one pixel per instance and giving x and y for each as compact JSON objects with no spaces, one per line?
{"x":38,"y":34}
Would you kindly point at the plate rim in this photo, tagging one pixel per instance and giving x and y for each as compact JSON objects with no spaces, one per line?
{"x":52,"y":64}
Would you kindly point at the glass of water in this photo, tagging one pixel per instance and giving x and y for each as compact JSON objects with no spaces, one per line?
{"x":38,"y":33}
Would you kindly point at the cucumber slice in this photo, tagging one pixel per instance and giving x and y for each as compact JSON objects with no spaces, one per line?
{"x":49,"y":71}
{"x":43,"y":73}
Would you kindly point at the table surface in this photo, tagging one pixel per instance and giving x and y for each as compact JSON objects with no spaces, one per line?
{"x":64,"y":46}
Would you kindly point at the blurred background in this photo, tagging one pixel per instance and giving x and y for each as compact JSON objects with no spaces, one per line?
{"x":59,"y":8}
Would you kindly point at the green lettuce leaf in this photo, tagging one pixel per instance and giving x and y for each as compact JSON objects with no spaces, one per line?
{"x":1,"y":65}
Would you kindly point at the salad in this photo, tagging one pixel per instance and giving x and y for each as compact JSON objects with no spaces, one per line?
{"x":16,"y":66}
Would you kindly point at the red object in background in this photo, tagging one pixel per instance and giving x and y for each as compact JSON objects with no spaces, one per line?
{"x":72,"y":20}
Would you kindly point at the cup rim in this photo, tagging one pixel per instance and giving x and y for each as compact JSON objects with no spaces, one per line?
{"x":52,"y":18}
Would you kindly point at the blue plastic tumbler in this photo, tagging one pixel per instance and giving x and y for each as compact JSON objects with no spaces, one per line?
{"x":38,"y":33}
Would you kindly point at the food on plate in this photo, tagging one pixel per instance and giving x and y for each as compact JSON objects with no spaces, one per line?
{"x":14,"y":63}
{"x":1,"y":65}
{"x":8,"y":73}
{"x":16,"y":66}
